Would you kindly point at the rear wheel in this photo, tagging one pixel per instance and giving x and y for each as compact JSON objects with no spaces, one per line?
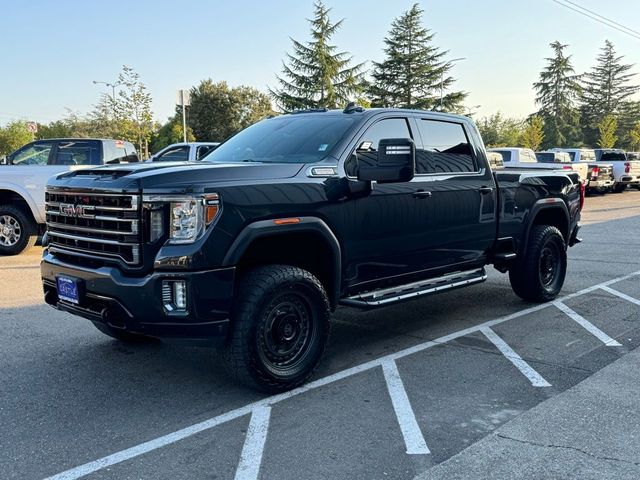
{"x":539,"y":274}
{"x":18,"y":231}
{"x":280,"y":328}
{"x":619,"y":187}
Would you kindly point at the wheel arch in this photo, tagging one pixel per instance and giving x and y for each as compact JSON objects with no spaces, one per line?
{"x":548,"y":211}
{"x":308,"y":243}
{"x":12,"y":196}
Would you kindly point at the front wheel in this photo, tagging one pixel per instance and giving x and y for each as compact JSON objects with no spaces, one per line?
{"x":18,"y":231}
{"x":539,"y":274}
{"x":280,"y":328}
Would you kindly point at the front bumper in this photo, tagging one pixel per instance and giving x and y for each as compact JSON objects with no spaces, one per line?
{"x":135,"y":304}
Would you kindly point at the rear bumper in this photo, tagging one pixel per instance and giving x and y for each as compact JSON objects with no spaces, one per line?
{"x":135,"y":304}
{"x":600,"y":184}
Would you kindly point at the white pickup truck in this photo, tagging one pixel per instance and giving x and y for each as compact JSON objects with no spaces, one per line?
{"x":599,"y":175}
{"x":25,"y":172}
{"x":625,"y":172}
{"x":526,"y":158}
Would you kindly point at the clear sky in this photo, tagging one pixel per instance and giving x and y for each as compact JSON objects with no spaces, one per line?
{"x":52,"y":50}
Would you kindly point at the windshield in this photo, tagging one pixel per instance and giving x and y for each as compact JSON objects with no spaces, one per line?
{"x":285,"y":139}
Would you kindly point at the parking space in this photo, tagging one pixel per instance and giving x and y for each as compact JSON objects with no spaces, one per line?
{"x":402,"y":388}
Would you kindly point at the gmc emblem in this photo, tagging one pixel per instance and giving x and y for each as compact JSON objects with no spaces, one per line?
{"x":78,"y":211}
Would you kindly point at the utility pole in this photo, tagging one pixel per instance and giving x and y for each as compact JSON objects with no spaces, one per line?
{"x":184,"y":100}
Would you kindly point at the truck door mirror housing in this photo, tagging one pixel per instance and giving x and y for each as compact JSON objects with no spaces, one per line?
{"x":3,"y":160}
{"x":395,"y":162}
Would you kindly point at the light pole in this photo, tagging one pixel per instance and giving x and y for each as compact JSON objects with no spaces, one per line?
{"x":442,"y":76}
{"x":112,"y":85}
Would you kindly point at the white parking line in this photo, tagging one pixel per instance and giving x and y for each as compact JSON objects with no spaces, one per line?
{"x":173,"y":437}
{"x":251,"y":456}
{"x":588,"y":326}
{"x":534,"y":377}
{"x":620,"y":294}
{"x":413,"y":438}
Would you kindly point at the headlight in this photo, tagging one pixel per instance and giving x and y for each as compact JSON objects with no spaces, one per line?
{"x":188,"y":215}
{"x":186,"y":221}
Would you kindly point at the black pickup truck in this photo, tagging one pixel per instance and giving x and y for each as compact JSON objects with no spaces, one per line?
{"x":252,"y":248}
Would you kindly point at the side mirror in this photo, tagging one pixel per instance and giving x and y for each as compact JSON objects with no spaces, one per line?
{"x":3,"y":160}
{"x":395,"y":162}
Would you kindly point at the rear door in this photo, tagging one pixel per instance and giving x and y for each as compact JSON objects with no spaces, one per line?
{"x":462,"y":207}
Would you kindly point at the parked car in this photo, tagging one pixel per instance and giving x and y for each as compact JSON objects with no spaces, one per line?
{"x":636,"y":157}
{"x":184,"y":152}
{"x":24,"y":174}
{"x":563,"y":160}
{"x":253,"y":248}
{"x":600,"y":177}
{"x":625,"y":172}
{"x":516,"y":157}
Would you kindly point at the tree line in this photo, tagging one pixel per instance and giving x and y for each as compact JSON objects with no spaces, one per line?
{"x":591,"y":109}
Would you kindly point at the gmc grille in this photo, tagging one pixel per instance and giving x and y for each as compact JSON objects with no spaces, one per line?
{"x":94,"y":225}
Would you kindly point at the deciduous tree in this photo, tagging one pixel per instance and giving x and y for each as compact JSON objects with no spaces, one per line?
{"x":218,"y":111}
{"x":607,"y":128}
{"x":533,"y":133}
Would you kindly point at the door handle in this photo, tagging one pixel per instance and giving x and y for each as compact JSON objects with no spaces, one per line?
{"x":485,"y":190}
{"x":421,"y":194}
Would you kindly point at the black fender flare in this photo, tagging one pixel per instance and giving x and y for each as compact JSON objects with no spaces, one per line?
{"x":268,"y":228}
{"x":542,"y":205}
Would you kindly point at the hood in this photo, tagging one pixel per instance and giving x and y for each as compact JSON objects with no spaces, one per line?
{"x":173,"y":176}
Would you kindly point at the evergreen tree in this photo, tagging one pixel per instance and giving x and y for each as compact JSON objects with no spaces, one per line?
{"x":628,"y":118}
{"x":557,"y":91}
{"x":414,"y":73}
{"x":605,"y":89}
{"x":317,"y":75}
{"x":533,"y":133}
{"x":607,"y":128}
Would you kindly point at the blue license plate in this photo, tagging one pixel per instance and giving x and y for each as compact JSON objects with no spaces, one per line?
{"x":68,"y":290}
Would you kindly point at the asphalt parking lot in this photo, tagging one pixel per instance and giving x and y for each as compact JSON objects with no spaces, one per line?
{"x":401,"y":389}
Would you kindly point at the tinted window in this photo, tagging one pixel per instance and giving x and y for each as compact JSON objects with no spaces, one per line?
{"x":177,"y":154}
{"x":573,"y":156}
{"x":76,"y":152}
{"x":36,"y":154}
{"x":546,"y":157}
{"x":506,"y":155}
{"x":612,"y":156}
{"x":366,"y":152}
{"x":297,"y":138}
{"x":445,"y":149}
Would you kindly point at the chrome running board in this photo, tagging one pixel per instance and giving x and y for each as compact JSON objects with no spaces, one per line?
{"x":386,"y":296}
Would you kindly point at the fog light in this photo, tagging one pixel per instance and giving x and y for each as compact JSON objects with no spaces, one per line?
{"x":174,"y":295}
{"x":180,"y":295}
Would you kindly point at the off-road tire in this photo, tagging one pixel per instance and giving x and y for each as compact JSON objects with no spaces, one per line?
{"x":276,"y":304}
{"x":538,"y":275}
{"x":28,"y":230}
{"x":619,"y":188}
